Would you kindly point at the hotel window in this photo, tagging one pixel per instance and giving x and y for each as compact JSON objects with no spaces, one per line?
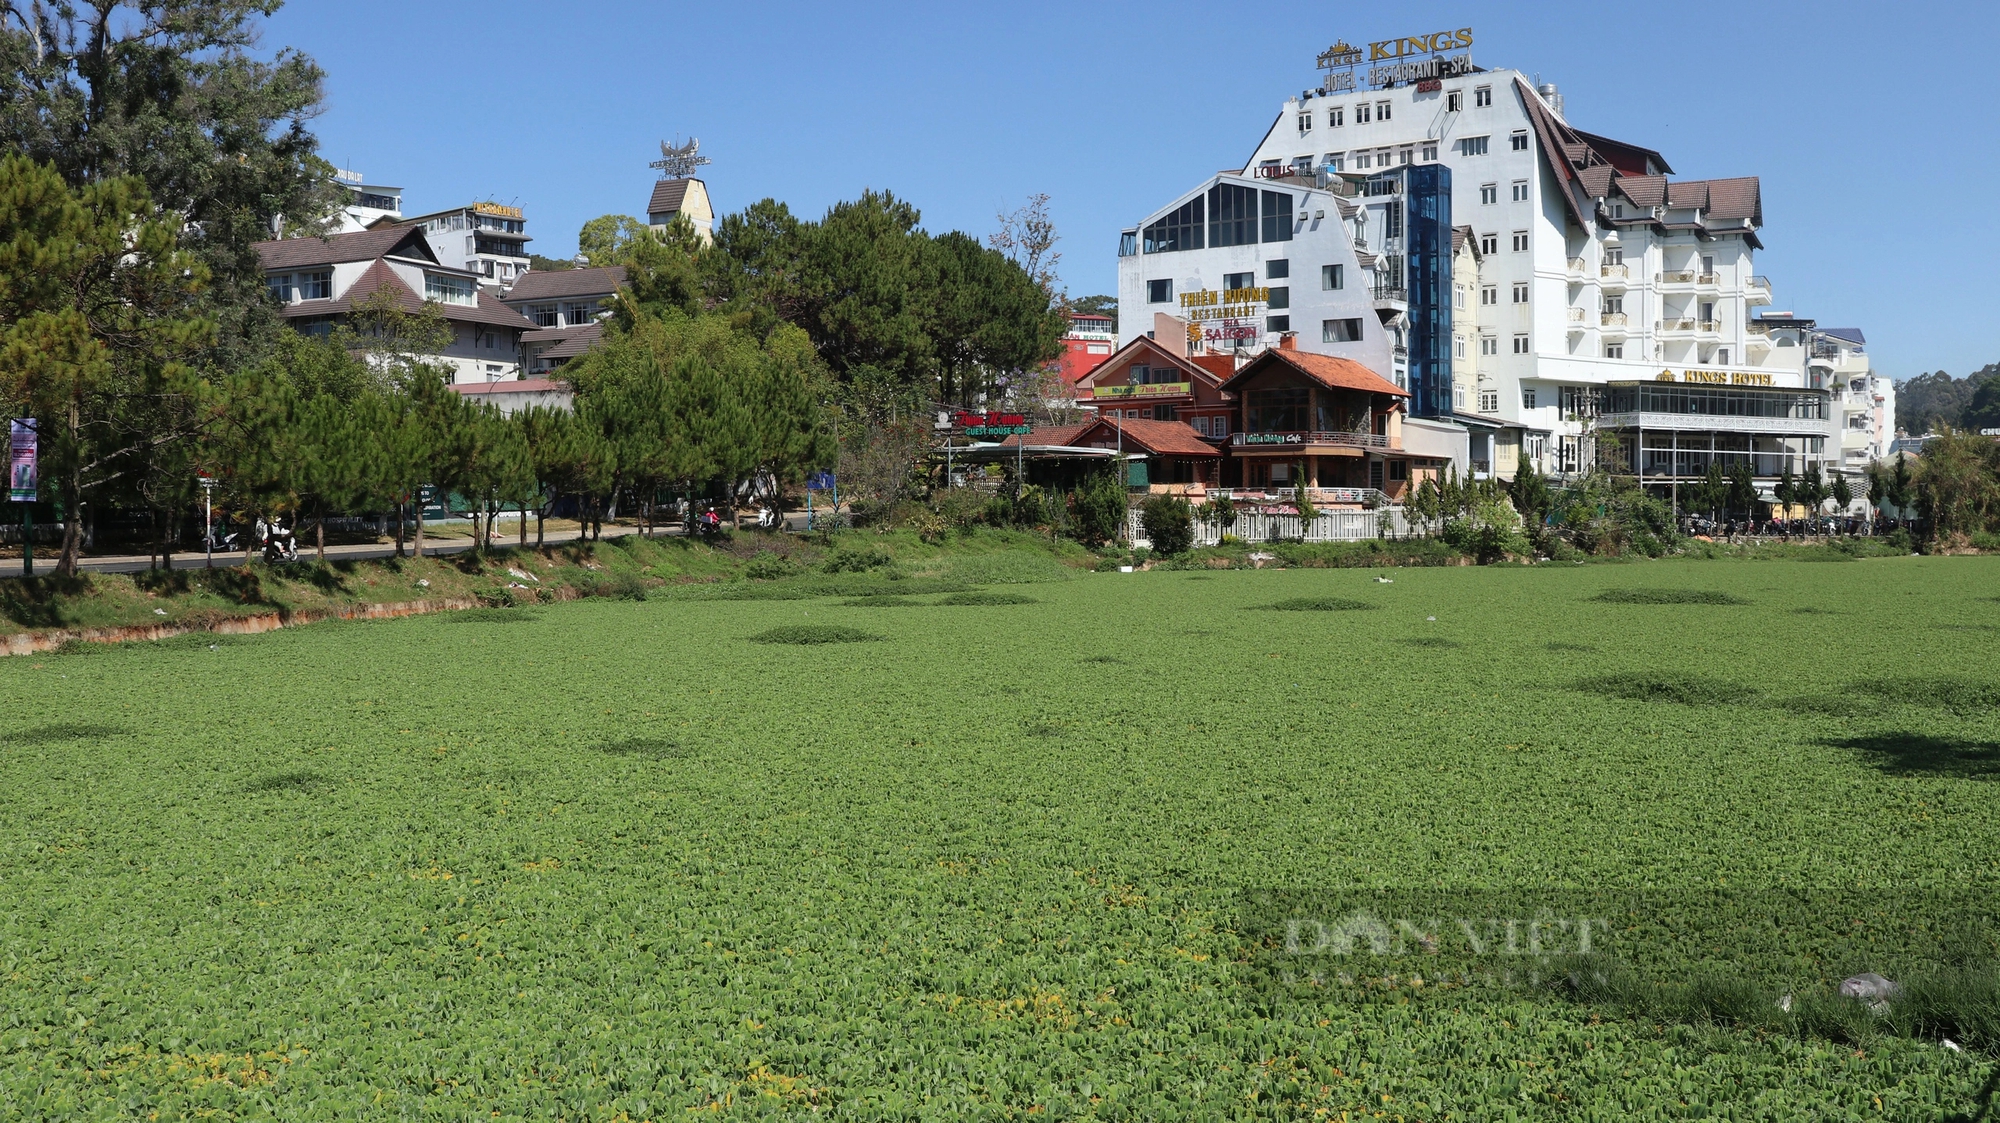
{"x":1399,"y":470}
{"x":1722,"y":357}
{"x":1277,"y":217}
{"x":1520,"y":241}
{"x":1218,"y":426}
{"x":1614,"y":255}
{"x":1407,"y":155}
{"x":1275,"y":324}
{"x":1520,"y":292}
{"x":1159,"y":292}
{"x":1305,"y":122}
{"x":1489,"y":294}
{"x":1381,"y":111}
{"x":1430,"y":150}
{"x":1519,"y":141}
{"x":1489,"y":244}
{"x":1336,"y":117}
{"x":1201,"y":425}
{"x":1277,"y":269}
{"x":1458,"y":347}
{"x":1332,"y":276}
{"x":448,"y":289}
{"x":279,"y":285}
{"x":1302,"y":166}
{"x":1392,"y":222}
{"x":1527,"y":398}
{"x":544,"y":315}
{"x":1489,"y":401}
{"x":581,"y":313}
{"x":1489,"y":193}
{"x":1362,"y":160}
{"x":1483,"y":96}
{"x":1181,"y":230}
{"x":1361,"y":114}
{"x":1234,"y":281}
{"x":1614,"y":350}
{"x":1614,"y":305}
{"x":1617,"y":210}
{"x":1454,"y":100}
{"x":1520,"y":190}
{"x":1334,"y":162}
{"x":1489,"y":345}
{"x":1521,"y":344}
{"x":1232,"y":215}
{"x":1279,"y":296}
{"x":1474,"y":145}
{"x":316,"y":285}
{"x":1381,"y":157}
{"x":1458,"y":296}
{"x":1340,"y":331}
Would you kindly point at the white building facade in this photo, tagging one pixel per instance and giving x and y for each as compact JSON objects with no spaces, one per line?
{"x":367,"y":203}
{"x":489,"y":239}
{"x":1595,"y":271}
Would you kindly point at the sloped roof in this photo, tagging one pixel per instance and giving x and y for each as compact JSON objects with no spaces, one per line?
{"x":1850,"y":335}
{"x":381,"y":276}
{"x":1327,"y":370}
{"x":1629,"y":159}
{"x":336,"y":249}
{"x":1643,"y":190}
{"x":668,"y":195}
{"x":583,"y":339}
{"x":1741,"y":197}
{"x":1118,"y":361}
{"x":1158,"y":438}
{"x":1049,"y":435}
{"x":551,"y":284}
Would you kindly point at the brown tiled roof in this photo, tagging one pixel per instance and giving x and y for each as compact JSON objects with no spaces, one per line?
{"x":1223,"y":367}
{"x":668,"y":195}
{"x":1160,"y":438}
{"x":1461,"y":236}
{"x":582,"y":340}
{"x":551,"y":284}
{"x":545,"y":335}
{"x":511,"y":386}
{"x":1644,"y":190}
{"x":362,"y":245}
{"x":1688,"y":193}
{"x":1736,"y":198}
{"x":381,"y":275}
{"x":1596,"y":180}
{"x":1050,"y":435}
{"x":1328,"y":371}
{"x":1153,"y":353}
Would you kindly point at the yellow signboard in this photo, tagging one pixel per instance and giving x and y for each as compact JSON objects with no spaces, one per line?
{"x":1146,"y":390}
{"x":1717,"y":377}
{"x":496,"y":210}
{"x":1436,"y":42}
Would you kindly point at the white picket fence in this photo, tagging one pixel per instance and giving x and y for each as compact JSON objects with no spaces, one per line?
{"x":1255,"y":526}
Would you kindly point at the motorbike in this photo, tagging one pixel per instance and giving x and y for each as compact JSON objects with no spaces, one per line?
{"x":708,"y":524}
{"x":769,"y":518}
{"x":280,"y":544}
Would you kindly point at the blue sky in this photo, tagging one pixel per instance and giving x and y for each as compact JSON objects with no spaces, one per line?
{"x":1871,"y":125}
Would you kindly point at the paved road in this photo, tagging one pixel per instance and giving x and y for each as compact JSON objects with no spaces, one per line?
{"x":137,"y":563}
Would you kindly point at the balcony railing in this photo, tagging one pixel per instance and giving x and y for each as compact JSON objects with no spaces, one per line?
{"x":1677,"y":277}
{"x":1611,"y":320}
{"x":1616,"y":271}
{"x":1577,"y":316}
{"x":1313,"y":437}
{"x":1391,"y":292}
{"x":1674,"y":325}
{"x":1577,"y":265}
{"x":1709,"y":279}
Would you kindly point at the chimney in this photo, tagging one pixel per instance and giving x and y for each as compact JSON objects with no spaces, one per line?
{"x":1289,"y":341}
{"x":1171,"y":333}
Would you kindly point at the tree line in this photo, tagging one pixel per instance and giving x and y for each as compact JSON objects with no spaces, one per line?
{"x":147,"y":155}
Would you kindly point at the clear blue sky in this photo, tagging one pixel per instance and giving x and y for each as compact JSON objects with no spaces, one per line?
{"x":1871,"y":125}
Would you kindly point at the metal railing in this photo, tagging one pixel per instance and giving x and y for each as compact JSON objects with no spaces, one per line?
{"x":1709,"y":279}
{"x":1258,"y":526}
{"x":1576,"y":265}
{"x":1617,"y":271}
{"x":1577,"y":316}
{"x":1677,"y":277}
{"x":1391,"y":292}
{"x":1612,"y":319}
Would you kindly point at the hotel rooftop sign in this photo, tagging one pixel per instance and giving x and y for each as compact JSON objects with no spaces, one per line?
{"x":1411,"y":58}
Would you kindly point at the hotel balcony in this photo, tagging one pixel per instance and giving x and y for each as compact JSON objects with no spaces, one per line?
{"x":1758,"y":291}
{"x":1677,"y":277}
{"x":1578,"y":320}
{"x":1613,"y":323}
{"x":1708,"y":280}
{"x":1688,"y":327}
{"x":1615,"y":276}
{"x":1578,"y":270}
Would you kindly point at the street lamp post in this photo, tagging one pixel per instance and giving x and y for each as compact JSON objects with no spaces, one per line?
{"x":207,"y":483}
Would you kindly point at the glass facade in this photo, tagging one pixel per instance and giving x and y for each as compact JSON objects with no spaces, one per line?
{"x":1427,"y":222}
{"x":1714,"y":401}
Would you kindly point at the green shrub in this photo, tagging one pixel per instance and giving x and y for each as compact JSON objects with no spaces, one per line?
{"x":1320,"y":604}
{"x":854,"y":559}
{"x":767,"y":566}
{"x":1169,"y":522}
{"x":1686,"y":690}
{"x":1667,"y":596}
{"x":810,"y":634}
{"x":981,"y":598}
{"x":1097,"y":510}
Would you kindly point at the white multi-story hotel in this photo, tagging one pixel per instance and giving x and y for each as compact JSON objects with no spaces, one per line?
{"x":367,"y":203}
{"x":490,"y":239}
{"x":1597,"y":272}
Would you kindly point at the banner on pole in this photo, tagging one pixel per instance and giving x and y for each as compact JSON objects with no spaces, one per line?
{"x":21,"y":461}
{"x":819,"y":481}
